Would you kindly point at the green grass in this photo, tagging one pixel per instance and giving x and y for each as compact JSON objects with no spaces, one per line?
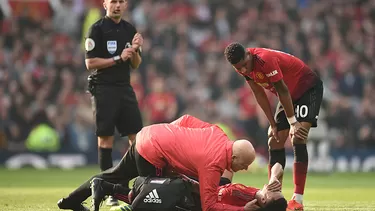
{"x":39,"y":190}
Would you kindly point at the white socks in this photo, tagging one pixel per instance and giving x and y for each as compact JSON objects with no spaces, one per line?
{"x":298,"y":197}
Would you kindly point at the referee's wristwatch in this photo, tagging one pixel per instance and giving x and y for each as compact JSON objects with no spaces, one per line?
{"x":117,"y":59}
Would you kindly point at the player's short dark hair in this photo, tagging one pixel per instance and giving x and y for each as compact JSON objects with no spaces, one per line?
{"x":234,"y":52}
{"x":277,"y":205}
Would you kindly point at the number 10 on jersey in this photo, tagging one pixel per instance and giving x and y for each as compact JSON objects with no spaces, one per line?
{"x":301,"y":111}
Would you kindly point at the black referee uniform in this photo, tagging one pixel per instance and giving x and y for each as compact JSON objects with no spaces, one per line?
{"x":113,"y":98}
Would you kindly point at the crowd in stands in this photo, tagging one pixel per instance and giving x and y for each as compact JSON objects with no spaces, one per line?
{"x":43,"y":79}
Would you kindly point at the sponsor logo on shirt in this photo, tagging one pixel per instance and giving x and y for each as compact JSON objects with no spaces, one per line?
{"x":273,"y":73}
{"x":264,"y":84}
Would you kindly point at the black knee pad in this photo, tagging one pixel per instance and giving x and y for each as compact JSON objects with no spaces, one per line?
{"x":277,"y":156}
{"x":300,"y":153}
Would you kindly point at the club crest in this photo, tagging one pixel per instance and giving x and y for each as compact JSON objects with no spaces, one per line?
{"x":260,"y":75}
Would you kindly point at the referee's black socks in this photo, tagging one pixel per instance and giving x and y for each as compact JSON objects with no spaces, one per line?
{"x":105,"y":158}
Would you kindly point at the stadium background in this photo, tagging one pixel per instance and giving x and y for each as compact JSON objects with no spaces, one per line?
{"x":45,"y":112}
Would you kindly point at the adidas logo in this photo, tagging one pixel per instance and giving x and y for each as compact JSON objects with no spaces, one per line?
{"x":152,"y":197}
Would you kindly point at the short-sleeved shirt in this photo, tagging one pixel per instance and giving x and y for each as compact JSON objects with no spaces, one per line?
{"x":270,"y":66}
{"x":107,"y":39}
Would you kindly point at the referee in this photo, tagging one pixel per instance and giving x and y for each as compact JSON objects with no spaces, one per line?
{"x":113,"y":47}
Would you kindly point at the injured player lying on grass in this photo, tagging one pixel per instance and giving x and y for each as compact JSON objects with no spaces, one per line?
{"x":269,"y":198}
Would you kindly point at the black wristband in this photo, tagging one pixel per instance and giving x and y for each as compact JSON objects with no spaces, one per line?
{"x":117,"y":59}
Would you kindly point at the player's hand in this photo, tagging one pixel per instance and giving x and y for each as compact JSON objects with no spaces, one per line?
{"x":137,"y":41}
{"x":272,"y":132}
{"x":299,"y":131}
{"x":251,"y":206}
{"x":127,"y":53}
{"x":274,"y":185}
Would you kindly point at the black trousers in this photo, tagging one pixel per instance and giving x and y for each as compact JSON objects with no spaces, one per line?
{"x":131,"y":165}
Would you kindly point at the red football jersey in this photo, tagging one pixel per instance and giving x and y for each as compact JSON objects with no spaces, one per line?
{"x":271,"y":66}
{"x":191,"y":147}
{"x":236,"y":194}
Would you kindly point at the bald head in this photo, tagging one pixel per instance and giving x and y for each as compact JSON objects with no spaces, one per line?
{"x":243,"y":154}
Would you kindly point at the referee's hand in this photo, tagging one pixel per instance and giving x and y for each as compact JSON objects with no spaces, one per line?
{"x":127,"y":53}
{"x":137,"y":41}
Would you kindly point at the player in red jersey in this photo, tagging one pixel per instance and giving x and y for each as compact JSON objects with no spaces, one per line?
{"x":300,"y":93}
{"x":269,"y":198}
{"x":186,"y":146}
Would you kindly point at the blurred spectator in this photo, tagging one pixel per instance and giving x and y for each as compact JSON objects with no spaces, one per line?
{"x":43,"y":78}
{"x":160,"y":105}
{"x":67,"y":16}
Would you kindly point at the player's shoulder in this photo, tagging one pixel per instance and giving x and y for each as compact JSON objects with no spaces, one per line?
{"x":262,"y":51}
{"x":96,"y":27}
{"x":261,"y":54}
{"x":98,"y":24}
{"x":258,"y":51}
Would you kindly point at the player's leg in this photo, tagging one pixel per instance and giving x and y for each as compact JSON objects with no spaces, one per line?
{"x":115,"y":180}
{"x":105,"y":145}
{"x":108,"y":108}
{"x":121,"y":191}
{"x":307,"y":111}
{"x":129,"y":122}
{"x":105,"y":106}
{"x":105,"y":160}
{"x":300,"y":165}
{"x":121,"y":174}
{"x":277,"y":148}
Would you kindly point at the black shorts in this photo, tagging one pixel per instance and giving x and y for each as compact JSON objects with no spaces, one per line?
{"x":115,"y":106}
{"x":306,"y":108}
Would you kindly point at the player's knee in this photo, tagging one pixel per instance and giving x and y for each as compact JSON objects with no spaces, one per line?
{"x":105,"y":141}
{"x":275,"y":144}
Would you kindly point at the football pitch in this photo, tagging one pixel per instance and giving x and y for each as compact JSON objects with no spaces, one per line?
{"x":39,"y":190}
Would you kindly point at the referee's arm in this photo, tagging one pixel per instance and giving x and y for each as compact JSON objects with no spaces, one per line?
{"x":92,"y":47}
{"x":137,"y":43}
{"x":99,"y":63}
{"x":136,"y":60}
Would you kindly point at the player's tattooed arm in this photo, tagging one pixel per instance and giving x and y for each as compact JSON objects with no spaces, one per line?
{"x":284,"y":97}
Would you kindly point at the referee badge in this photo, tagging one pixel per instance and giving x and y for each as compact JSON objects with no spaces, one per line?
{"x":89,"y":44}
{"x":112,"y":46}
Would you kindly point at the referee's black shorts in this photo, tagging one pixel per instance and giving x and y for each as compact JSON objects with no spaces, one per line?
{"x":115,"y":106}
